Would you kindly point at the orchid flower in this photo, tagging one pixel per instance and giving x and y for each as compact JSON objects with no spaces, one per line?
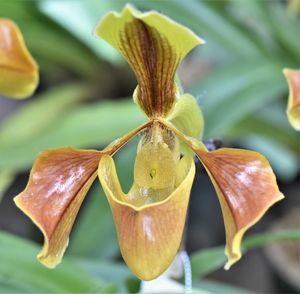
{"x":293,"y":106}
{"x":150,"y":218}
{"x":18,"y":71}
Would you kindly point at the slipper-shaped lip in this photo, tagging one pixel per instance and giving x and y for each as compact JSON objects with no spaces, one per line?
{"x":138,"y":208}
{"x":150,"y":235}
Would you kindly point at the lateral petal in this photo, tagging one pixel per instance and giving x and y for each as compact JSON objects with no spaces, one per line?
{"x":246,"y":187}
{"x":18,"y":71}
{"x":149,"y":235}
{"x":58,"y":183}
{"x":153,"y":45}
{"x":187,"y":116}
{"x":293,"y":106}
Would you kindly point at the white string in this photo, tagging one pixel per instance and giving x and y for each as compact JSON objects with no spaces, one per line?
{"x":187,"y":271}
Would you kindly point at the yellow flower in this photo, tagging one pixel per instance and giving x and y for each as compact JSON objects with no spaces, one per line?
{"x":18,"y":71}
{"x":293,"y":106}
{"x":150,"y":218}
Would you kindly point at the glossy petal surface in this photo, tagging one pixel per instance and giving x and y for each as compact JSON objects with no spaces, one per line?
{"x":149,"y":235}
{"x":18,"y":71}
{"x":293,"y":107}
{"x":246,"y":187}
{"x":59,"y":181}
{"x":245,"y":184}
{"x":153,"y":45}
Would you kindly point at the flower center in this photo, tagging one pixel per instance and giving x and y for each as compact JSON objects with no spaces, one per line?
{"x":155,"y":167}
{"x":152,"y":173}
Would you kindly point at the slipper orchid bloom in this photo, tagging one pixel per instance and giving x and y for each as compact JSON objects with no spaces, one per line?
{"x":18,"y":71}
{"x":293,"y":106}
{"x":150,"y":218}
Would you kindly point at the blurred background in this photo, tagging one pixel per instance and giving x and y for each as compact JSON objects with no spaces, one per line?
{"x":84,"y":100}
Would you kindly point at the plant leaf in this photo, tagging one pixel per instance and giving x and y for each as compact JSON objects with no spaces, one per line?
{"x":206,"y":22}
{"x":40,"y":113}
{"x":70,"y":53}
{"x":20,"y":271}
{"x":207,"y":286}
{"x":6,"y":179}
{"x":241,"y":91}
{"x":111,"y":272}
{"x":205,"y":261}
{"x":67,"y":13}
{"x":84,"y":126}
{"x":94,"y":236}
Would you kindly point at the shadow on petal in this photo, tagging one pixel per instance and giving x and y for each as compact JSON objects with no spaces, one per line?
{"x":150,"y":234}
{"x":59,"y":181}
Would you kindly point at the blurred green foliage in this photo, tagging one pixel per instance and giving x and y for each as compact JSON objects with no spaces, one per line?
{"x":20,"y":272}
{"x":239,"y":85}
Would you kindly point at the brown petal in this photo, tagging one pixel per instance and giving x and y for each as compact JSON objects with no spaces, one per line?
{"x":293,"y":107}
{"x":149,"y":235}
{"x":59,"y":181}
{"x":245,"y":184}
{"x":18,"y":71}
{"x":246,"y":188}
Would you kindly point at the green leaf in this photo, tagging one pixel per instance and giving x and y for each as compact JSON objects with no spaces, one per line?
{"x":39,"y":113}
{"x":257,"y":25}
{"x":6,"y":179}
{"x":264,"y":126}
{"x":80,"y":18}
{"x":111,"y":272}
{"x":206,"y":22}
{"x":206,"y":286}
{"x":286,"y":28}
{"x":233,"y":79}
{"x":21,"y":272}
{"x":46,"y":40}
{"x":242,"y":89}
{"x":84,"y":126}
{"x":94,"y":235}
{"x":268,"y":238}
{"x":205,"y":261}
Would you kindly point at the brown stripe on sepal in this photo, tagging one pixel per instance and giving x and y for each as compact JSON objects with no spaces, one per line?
{"x":154,"y":62}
